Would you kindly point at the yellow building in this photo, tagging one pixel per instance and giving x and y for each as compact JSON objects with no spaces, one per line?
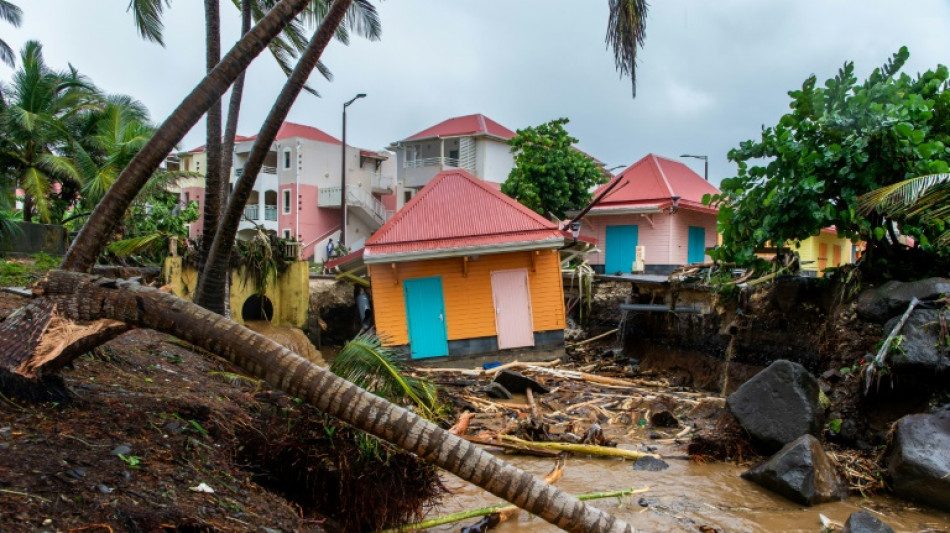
{"x":463,"y":270}
{"x":824,"y":250}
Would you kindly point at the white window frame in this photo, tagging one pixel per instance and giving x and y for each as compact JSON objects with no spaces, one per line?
{"x":288,"y":160}
{"x":286,"y":198}
{"x":286,"y":233}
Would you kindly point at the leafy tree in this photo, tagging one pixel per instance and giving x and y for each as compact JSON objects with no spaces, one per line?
{"x":839,"y":141}
{"x":150,"y":224}
{"x":550,"y":175}
{"x":922,"y":202}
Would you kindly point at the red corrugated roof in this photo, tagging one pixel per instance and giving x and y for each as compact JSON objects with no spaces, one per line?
{"x":655,"y":180}
{"x":286,"y":131}
{"x":477,"y":124}
{"x":457,"y":210}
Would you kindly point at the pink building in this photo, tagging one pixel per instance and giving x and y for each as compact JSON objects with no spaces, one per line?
{"x":653,"y":221}
{"x":298,"y":193}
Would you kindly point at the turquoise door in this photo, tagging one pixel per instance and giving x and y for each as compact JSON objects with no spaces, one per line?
{"x":425,"y":315}
{"x":621,"y":249}
{"x":696,"y":247}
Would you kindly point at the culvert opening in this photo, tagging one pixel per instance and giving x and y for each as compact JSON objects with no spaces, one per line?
{"x":257,"y":308}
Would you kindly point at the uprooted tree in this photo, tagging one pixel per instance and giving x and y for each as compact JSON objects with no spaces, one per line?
{"x":838,"y":142}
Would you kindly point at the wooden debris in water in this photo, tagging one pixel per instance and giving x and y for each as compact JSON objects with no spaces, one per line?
{"x":861,"y":470}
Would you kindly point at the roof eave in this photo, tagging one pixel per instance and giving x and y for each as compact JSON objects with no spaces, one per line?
{"x":370,"y":258}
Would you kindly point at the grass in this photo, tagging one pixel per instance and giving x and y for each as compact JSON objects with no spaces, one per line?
{"x":21,"y":272}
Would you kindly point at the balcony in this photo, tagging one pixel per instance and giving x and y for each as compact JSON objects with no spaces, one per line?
{"x":431,"y":162}
{"x":252,"y":212}
{"x":270,"y":212}
{"x":365,"y":204}
{"x":264,"y":170}
{"x":382,"y":184}
{"x":328,"y":197}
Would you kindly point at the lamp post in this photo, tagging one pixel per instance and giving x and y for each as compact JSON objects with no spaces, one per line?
{"x":705,"y":159}
{"x":343,"y":172}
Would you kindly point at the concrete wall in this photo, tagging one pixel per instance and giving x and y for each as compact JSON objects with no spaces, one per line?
{"x":36,"y":238}
{"x":289,"y":295}
{"x":494,"y":160}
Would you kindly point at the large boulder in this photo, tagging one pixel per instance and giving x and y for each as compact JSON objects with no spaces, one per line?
{"x":921,"y":352}
{"x":879,"y":304}
{"x":865,"y":522}
{"x":778,"y":405}
{"x":919,"y":459}
{"x":801,"y":472}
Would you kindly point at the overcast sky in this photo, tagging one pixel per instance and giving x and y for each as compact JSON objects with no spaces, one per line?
{"x":711,"y":73}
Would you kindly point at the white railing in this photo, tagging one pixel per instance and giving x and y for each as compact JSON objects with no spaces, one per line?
{"x":379,"y":181}
{"x":252,"y":212}
{"x":270,"y":212}
{"x":359,"y":197}
{"x":328,"y":197}
{"x":264,"y":170}
{"x":431,"y":162}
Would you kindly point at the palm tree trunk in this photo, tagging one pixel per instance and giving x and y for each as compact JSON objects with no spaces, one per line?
{"x":211,"y":282}
{"x":92,"y":239}
{"x":83,"y":298}
{"x":234,"y":106}
{"x":215,"y":182}
{"x":27,"y":208}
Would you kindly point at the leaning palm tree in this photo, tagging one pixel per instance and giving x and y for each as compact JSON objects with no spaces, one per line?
{"x":87,"y":246}
{"x":9,"y":12}
{"x":38,"y":105}
{"x":924,"y":198}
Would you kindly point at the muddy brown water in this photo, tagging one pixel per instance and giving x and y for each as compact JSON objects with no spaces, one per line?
{"x":683,"y":498}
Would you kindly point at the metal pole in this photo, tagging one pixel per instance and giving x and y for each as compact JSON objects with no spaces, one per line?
{"x":706,"y":173}
{"x":343,"y":172}
{"x":342,"y":240}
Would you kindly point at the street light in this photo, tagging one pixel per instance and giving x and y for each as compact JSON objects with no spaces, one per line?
{"x":705,"y":159}
{"x":343,"y":172}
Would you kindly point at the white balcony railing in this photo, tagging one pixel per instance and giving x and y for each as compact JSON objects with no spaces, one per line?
{"x":328,"y":197}
{"x":381,"y":182}
{"x":264,"y":170}
{"x":270,"y":212}
{"x":431,"y":162}
{"x":252,"y":212}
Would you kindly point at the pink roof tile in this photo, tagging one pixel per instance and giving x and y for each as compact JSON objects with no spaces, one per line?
{"x":457,"y":210}
{"x":654,"y":181}
{"x":477,"y":124}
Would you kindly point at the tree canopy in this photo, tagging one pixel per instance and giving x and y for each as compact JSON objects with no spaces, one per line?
{"x":839,"y":141}
{"x":550,"y":175}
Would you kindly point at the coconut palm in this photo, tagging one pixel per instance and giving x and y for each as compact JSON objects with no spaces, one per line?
{"x":626,"y":32}
{"x":925,"y":199}
{"x":106,"y":141}
{"x":87,"y":246}
{"x":38,"y":106}
{"x":12,"y":14}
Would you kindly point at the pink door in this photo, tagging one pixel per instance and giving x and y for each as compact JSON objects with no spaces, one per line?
{"x":512,"y":308}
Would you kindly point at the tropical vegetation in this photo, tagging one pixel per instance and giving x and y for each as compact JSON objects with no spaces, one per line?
{"x":550,"y":175}
{"x":841,"y":140}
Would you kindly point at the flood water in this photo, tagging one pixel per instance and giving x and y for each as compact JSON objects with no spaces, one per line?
{"x":683,"y":498}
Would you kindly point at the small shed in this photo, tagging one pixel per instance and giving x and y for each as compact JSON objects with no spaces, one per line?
{"x":653,"y":221}
{"x":463,"y":270}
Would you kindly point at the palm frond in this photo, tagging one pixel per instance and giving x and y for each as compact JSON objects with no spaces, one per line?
{"x":365,"y":362}
{"x":626,"y":32}
{"x":148,"y":18}
{"x":135,"y":245}
{"x":6,"y":54}
{"x":905,"y":195}
{"x":9,"y":12}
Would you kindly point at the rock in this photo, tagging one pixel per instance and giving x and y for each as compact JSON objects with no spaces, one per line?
{"x":923,"y":353}
{"x":801,"y":472}
{"x":919,"y":459}
{"x":664,"y":419}
{"x":650,"y":464}
{"x":865,"y":522}
{"x":789,"y":292}
{"x":122,"y":449}
{"x":497,"y":391}
{"x":518,"y":383}
{"x":778,"y":405}
{"x":881,"y":303}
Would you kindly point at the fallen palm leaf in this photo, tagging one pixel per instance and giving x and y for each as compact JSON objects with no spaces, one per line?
{"x":588,"y":449}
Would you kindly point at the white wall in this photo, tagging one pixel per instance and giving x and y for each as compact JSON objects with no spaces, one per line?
{"x":493,"y":160}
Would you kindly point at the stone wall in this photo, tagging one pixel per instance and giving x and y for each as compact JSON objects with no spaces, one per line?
{"x":36,"y":238}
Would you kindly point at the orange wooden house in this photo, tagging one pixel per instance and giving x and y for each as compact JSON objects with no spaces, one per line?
{"x":463,"y":270}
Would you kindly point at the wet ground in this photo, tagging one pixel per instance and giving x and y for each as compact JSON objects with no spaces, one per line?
{"x":685,"y":497}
